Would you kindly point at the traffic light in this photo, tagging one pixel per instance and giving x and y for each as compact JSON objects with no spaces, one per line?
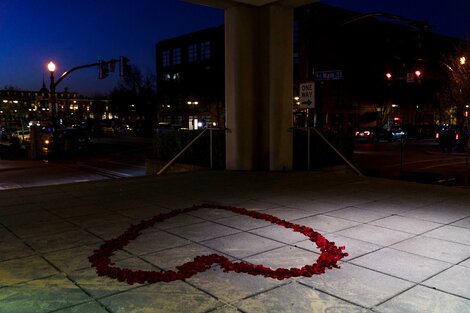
{"x":125,"y":68}
{"x":388,"y":75}
{"x":103,"y":69}
{"x":112,"y":66}
{"x":418,"y":75}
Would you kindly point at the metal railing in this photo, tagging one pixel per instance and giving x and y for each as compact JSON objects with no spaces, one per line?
{"x":308,"y":130}
{"x":211,"y":157}
{"x":210,"y":130}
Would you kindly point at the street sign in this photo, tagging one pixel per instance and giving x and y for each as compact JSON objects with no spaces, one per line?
{"x":410,"y":77}
{"x":329,"y":75}
{"x":307,"y":95}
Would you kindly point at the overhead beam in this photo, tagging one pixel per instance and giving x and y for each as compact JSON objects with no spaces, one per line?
{"x":225,"y":4}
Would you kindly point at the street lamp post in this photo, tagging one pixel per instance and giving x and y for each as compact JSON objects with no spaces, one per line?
{"x":103,"y":66}
{"x":51,"y":67}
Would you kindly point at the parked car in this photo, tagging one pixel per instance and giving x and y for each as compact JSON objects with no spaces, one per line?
{"x":65,"y":141}
{"x":6,"y":133}
{"x":144,"y":128}
{"x":399,"y":133}
{"x":23,"y":135}
{"x":373,"y":135}
{"x":382,"y":134}
{"x":364,"y":135}
{"x":123,"y":129}
{"x":163,"y":127}
{"x":34,"y":123}
{"x":452,"y":138}
{"x":106,"y":128}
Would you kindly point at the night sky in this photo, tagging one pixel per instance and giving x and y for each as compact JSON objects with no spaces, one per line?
{"x":448,"y":17}
{"x":77,"y":32}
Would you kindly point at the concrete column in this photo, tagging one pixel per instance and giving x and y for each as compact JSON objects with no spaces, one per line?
{"x":280,"y":78}
{"x":259,"y":86}
{"x":258,"y":82}
{"x":246,"y":141}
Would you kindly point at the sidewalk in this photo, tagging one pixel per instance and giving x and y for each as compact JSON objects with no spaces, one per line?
{"x":10,"y":165}
{"x":408,"y":244}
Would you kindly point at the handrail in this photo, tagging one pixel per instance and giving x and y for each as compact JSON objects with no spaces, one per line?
{"x":189,"y":145}
{"x":182,"y":151}
{"x":358,"y":172}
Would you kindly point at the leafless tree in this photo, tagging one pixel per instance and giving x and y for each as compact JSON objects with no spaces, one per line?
{"x":458,"y":89}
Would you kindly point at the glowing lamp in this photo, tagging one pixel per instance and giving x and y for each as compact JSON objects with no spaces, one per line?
{"x":51,"y":67}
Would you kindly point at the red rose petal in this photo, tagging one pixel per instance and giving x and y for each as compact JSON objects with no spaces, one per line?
{"x":101,"y":259}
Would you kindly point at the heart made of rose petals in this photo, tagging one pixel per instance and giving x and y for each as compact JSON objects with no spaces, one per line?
{"x":101,"y":259}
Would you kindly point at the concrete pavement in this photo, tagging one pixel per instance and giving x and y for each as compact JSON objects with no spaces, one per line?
{"x":408,"y":244}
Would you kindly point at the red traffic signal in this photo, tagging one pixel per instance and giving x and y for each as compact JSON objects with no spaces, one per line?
{"x":388,"y":75}
{"x":418,"y":73}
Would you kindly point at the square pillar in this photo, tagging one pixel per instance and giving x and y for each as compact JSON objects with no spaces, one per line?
{"x":259,"y":82}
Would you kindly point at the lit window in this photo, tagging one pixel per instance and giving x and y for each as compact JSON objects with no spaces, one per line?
{"x":192,"y":53}
{"x":166,"y":58}
{"x":177,"y":56}
{"x":205,"y":50}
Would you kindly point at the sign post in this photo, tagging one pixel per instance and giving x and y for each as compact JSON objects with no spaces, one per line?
{"x":307,"y":101}
{"x":307,"y":95}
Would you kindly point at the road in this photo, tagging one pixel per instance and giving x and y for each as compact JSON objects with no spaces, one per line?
{"x":416,"y":160}
{"x":107,"y":158}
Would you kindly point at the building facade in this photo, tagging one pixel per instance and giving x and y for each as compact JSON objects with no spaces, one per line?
{"x":21,"y":106}
{"x":374,"y":70}
{"x":190,"y":79}
{"x":371,"y":69}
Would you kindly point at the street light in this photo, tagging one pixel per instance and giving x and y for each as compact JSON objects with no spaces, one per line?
{"x":51,"y":67}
